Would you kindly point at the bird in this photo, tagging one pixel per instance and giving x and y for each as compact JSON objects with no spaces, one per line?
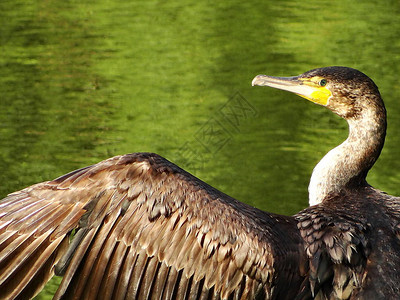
{"x":351,"y":230}
{"x":136,"y":226}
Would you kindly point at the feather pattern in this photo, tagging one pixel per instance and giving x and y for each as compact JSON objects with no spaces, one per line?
{"x":339,"y":249}
{"x":143,"y":229}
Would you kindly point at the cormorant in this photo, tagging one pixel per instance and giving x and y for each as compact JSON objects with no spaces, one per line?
{"x":145,"y":229}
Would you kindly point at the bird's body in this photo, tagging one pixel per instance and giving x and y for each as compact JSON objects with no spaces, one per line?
{"x":352,"y":242}
{"x":146,"y":229}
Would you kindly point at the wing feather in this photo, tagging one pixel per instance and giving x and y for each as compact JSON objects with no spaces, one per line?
{"x":108,"y":285}
{"x":122,"y":287}
{"x":144,"y":229}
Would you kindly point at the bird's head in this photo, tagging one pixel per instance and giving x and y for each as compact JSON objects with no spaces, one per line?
{"x":345,"y":91}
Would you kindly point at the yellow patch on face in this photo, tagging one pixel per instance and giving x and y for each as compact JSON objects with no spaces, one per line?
{"x":321,"y":96}
{"x":318,"y":94}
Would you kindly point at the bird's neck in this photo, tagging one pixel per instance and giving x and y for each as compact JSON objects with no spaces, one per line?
{"x":347,"y":165}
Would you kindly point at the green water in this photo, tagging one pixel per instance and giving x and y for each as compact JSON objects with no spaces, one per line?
{"x":85,"y":80}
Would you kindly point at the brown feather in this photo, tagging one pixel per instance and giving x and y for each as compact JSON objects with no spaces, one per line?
{"x":145,"y":227}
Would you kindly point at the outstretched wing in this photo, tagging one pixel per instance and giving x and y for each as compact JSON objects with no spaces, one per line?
{"x":144,"y":228}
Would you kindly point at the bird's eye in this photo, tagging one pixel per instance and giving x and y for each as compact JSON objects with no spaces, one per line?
{"x":323,"y":82}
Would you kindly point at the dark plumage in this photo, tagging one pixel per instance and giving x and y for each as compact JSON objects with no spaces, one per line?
{"x":144,"y":228}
